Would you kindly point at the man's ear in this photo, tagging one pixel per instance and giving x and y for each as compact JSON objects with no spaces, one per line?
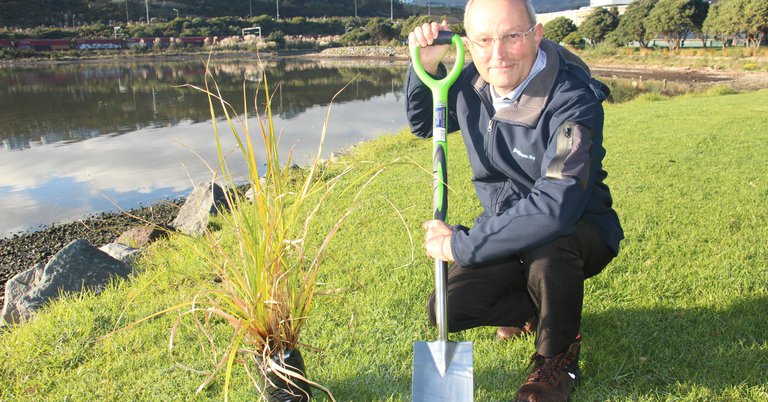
{"x":538,"y":33}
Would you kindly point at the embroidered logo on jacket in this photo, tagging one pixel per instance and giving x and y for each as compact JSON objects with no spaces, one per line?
{"x":519,"y":153}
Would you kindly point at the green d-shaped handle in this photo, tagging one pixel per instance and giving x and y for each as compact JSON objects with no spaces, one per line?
{"x":440,"y":87}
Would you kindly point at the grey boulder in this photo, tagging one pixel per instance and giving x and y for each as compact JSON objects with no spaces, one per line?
{"x":78,"y":266}
{"x":121,"y":252}
{"x":204,"y":201}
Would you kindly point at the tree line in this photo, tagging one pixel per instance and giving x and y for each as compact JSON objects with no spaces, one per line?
{"x":342,"y":30}
{"x":62,"y":13}
{"x":673,"y":21}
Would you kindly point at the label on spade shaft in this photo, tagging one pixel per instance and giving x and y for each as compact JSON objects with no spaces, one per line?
{"x":439,"y":122}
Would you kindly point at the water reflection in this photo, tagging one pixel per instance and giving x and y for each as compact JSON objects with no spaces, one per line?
{"x":80,"y":139}
{"x":77,"y":102}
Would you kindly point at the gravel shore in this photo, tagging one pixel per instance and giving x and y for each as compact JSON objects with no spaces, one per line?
{"x":21,"y":251}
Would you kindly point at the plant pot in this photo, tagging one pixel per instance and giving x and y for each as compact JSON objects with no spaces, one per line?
{"x":292,"y":389}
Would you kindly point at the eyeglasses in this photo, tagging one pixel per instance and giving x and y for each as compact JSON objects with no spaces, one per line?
{"x":509,"y":39}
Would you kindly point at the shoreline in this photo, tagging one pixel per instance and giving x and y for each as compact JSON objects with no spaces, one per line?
{"x":356,"y":52}
{"x":699,"y":76}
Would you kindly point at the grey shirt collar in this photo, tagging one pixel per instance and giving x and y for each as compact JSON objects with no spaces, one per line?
{"x":500,"y":101}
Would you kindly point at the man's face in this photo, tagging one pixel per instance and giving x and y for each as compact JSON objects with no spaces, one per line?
{"x":503,"y":63}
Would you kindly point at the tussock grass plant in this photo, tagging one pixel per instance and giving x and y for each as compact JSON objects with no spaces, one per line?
{"x":679,"y":315}
{"x":268,"y":272}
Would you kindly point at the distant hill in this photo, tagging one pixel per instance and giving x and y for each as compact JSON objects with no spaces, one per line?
{"x":548,"y":6}
{"x":541,"y":6}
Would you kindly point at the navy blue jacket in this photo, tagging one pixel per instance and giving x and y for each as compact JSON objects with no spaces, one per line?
{"x":536,"y":165}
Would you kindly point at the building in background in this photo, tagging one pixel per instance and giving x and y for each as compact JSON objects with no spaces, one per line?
{"x":609,"y":3}
{"x":579,"y":15}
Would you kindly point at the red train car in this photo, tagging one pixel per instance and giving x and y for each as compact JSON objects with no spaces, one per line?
{"x":43,"y":44}
{"x":138,"y":42}
{"x":6,"y":43}
{"x":192,"y":40}
{"x":157,"y":42}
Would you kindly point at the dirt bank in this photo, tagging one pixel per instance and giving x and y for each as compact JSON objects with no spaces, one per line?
{"x":739,"y":80}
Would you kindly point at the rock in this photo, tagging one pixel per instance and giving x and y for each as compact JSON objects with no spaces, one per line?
{"x":78,"y":266}
{"x":121,"y":252}
{"x":15,"y":289}
{"x":193,"y":217}
{"x":140,"y":236}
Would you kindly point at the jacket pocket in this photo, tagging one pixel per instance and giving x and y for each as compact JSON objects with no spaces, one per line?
{"x":573,"y":153}
{"x":501,"y":199}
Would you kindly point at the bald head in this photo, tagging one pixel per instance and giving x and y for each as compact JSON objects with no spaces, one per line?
{"x":528,"y":7}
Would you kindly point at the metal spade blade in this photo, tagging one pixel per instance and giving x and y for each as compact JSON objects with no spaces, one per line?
{"x":442,"y":371}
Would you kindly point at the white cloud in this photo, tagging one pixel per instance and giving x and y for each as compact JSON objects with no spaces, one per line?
{"x":149,"y":159}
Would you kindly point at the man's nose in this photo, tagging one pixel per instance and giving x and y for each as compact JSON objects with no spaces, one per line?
{"x":498,"y":48}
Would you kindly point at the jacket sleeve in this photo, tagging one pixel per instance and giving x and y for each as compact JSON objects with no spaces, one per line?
{"x":570,"y":165}
{"x":419,"y":106}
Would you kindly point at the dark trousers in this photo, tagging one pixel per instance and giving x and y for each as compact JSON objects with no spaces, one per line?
{"x":547,"y":282}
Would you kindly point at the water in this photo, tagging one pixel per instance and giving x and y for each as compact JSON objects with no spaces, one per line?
{"x":80,"y":139}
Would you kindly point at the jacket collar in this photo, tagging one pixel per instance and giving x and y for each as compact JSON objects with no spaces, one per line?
{"x":535,"y":97}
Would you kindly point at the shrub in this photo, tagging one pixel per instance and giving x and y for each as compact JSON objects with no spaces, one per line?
{"x":230,"y":42}
{"x":750,"y":67}
{"x":650,"y":97}
{"x":559,"y":28}
{"x":720,"y":89}
{"x":575,"y":40}
{"x":300,"y":42}
{"x":356,"y":37}
{"x":605,"y":50}
{"x":412,"y":22}
{"x":278,"y":37}
{"x":380,"y":30}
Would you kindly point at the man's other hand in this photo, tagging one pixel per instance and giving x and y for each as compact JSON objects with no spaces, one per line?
{"x":438,"y":240}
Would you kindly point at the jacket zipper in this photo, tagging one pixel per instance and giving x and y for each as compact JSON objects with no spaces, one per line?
{"x":489,"y":140}
{"x":489,"y":150}
{"x":490,"y":153}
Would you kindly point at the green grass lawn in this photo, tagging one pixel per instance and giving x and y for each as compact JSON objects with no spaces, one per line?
{"x":681,"y":314}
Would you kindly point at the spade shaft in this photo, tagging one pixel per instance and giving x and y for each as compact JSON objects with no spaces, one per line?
{"x":442,"y":370}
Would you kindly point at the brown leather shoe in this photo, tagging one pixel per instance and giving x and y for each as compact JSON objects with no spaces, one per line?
{"x":503,"y":333}
{"x":552,"y":379}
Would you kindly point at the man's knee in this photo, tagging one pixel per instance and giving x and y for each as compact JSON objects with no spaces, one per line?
{"x":558,"y":259}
